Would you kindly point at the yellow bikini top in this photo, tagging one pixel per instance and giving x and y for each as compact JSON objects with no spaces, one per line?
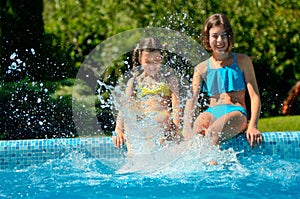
{"x":162,"y":89}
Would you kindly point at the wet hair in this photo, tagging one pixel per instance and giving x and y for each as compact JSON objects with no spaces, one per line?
{"x":149,"y":44}
{"x":213,"y":21}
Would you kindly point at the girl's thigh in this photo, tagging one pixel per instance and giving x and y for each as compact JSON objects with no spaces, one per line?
{"x":233,"y":123}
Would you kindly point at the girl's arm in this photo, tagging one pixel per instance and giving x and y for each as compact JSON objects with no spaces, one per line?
{"x":191,"y":103}
{"x":253,"y":134}
{"x":119,"y":138}
{"x":176,"y":111}
{"x":173,"y":84}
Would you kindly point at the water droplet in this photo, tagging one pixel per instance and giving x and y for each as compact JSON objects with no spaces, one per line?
{"x":19,"y":61}
{"x":32,"y":51}
{"x":13,"y":66}
{"x":12,"y":56}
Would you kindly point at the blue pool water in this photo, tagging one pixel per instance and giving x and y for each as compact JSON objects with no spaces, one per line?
{"x":93,"y":168}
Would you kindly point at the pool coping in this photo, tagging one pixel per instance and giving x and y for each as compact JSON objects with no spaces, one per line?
{"x":17,"y":154}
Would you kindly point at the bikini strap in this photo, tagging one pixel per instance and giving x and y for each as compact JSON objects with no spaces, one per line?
{"x":208,"y":63}
{"x":234,"y":58}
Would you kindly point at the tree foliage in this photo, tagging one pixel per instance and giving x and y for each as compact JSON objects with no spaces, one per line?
{"x":266,"y":30}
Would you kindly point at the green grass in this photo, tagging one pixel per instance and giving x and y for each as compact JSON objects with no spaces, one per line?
{"x":280,"y":123}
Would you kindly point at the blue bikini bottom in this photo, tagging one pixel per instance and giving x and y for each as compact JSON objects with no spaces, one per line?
{"x":222,"y":109}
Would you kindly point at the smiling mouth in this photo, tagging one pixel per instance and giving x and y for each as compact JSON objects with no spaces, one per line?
{"x":221,"y":47}
{"x":151,"y":62}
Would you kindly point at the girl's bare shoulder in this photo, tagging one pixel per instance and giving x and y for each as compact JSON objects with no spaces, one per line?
{"x":243,"y":61}
{"x":201,"y":67}
{"x":242,"y":58}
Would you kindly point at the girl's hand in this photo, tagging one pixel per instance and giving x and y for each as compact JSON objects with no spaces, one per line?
{"x":118,"y":139}
{"x":254,"y":137}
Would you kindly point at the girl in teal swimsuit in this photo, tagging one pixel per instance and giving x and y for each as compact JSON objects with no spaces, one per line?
{"x":225,"y":77}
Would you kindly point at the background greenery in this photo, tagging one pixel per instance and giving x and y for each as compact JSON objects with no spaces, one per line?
{"x":51,"y":39}
{"x":279,"y":123}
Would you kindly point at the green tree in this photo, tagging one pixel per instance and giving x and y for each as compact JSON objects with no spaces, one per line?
{"x":265,"y":30}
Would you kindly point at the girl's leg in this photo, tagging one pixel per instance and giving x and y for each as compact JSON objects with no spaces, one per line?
{"x":161,"y":118}
{"x":227,"y":126}
{"x":162,"y":123}
{"x":201,"y":124}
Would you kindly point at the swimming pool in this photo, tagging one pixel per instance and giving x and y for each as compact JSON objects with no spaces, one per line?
{"x":88,"y":168}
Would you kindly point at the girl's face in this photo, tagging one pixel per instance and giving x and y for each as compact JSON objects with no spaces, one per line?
{"x":218,"y":39}
{"x":151,"y":59}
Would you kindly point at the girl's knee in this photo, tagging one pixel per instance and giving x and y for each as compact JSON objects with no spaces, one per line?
{"x":201,"y":124}
{"x":244,"y":124}
{"x":237,"y":123}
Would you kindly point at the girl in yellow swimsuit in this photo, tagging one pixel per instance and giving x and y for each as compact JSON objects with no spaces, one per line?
{"x":155,"y":95}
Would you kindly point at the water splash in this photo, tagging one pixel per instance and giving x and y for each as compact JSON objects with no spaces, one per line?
{"x":180,"y":157}
{"x":30,"y":105}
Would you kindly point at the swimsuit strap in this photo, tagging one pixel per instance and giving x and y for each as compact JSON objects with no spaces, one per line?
{"x":235,"y":65}
{"x":208,"y":64}
{"x":234,"y":60}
